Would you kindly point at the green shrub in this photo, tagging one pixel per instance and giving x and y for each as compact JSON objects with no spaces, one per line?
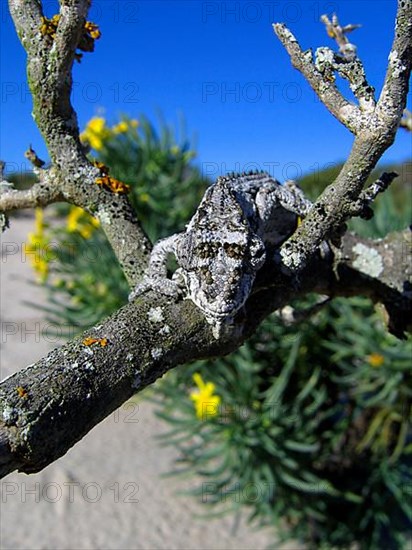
{"x":312,"y":432}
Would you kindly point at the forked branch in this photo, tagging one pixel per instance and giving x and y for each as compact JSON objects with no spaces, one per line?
{"x":375,"y":127}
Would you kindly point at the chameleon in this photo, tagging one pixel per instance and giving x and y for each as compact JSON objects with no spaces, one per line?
{"x":239,"y":220}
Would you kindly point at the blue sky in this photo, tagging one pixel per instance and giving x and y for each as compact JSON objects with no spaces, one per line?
{"x":217,"y":64}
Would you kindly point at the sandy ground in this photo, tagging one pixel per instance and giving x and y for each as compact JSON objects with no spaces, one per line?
{"x":107,"y":491}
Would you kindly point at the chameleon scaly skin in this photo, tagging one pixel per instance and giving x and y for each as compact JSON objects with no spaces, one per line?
{"x":226,"y":243}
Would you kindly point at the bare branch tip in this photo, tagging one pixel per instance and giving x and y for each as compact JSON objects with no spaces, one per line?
{"x":31,"y":155}
{"x":338,"y":33}
{"x":406,"y":120}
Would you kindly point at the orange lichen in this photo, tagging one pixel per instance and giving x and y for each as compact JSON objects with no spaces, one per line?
{"x":89,"y":341}
{"x":22,"y":392}
{"x":104,"y":170}
{"x":91,"y":33}
{"x":92,"y":29}
{"x":113,"y":185}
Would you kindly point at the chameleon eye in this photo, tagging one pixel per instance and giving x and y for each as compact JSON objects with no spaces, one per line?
{"x":207,"y":275}
{"x":207,"y":249}
{"x":235,"y":251}
{"x":204,"y":250}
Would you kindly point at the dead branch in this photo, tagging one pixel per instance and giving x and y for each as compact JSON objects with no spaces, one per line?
{"x":375,"y":128}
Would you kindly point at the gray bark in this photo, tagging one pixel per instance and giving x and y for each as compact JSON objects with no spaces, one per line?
{"x":50,"y":405}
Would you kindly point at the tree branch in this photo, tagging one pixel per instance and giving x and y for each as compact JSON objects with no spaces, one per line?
{"x":347,"y":64}
{"x":27,"y":16}
{"x":406,"y":120}
{"x":326,"y":89}
{"x":375,"y":132}
{"x":382,"y":270}
{"x":339,"y":33}
{"x":49,"y":406}
{"x":73,"y":15}
{"x":38,"y":195}
{"x":392,"y":100}
{"x":49,"y":64}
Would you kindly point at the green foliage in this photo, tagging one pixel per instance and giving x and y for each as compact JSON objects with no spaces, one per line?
{"x":85,"y":283}
{"x":313,"y":431}
{"x":308,"y":426}
{"x":22,"y":180}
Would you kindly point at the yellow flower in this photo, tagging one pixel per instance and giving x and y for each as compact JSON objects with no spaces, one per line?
{"x":86,"y":232}
{"x":189,"y":155}
{"x":96,"y":133}
{"x":36,"y":247}
{"x":120,"y":128}
{"x":79,"y":221}
{"x":134,"y":123}
{"x":375,"y":360}
{"x":39,"y":220}
{"x":73,"y":218}
{"x":144,"y":197}
{"x":206,"y":404}
{"x":42,"y":268}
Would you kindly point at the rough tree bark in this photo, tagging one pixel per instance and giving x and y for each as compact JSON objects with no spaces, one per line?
{"x":49,"y":406}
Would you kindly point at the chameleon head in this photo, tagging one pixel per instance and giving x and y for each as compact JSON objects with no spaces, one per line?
{"x":221,"y":278}
{"x":220,"y":253}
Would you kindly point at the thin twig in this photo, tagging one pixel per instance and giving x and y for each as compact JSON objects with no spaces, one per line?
{"x":328,"y":93}
{"x":31,"y":155}
{"x":392,"y":100}
{"x":37,"y":195}
{"x":362,"y":206}
{"x":406,"y":120}
{"x":338,"y":33}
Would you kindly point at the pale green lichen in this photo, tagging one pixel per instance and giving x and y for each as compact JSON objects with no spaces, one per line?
{"x":155,"y":314}
{"x":8,"y":414}
{"x":397,"y":66}
{"x":103,"y":216}
{"x":25,"y":433}
{"x":368,"y":260}
{"x":156,"y":353}
{"x":164,"y":330}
